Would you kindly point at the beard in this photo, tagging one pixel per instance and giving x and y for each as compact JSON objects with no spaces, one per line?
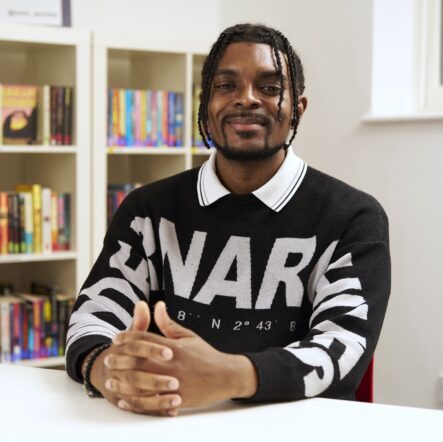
{"x":241,"y":155}
{"x":247,"y":155}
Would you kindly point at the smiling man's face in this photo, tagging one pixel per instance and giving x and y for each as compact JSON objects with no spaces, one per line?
{"x":243,"y":108}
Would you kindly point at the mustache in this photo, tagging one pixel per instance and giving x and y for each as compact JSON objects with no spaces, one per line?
{"x":253,"y":116}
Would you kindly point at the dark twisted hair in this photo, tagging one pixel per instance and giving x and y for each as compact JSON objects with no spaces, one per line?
{"x":252,"y":33}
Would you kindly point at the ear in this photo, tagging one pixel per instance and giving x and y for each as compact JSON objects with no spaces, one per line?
{"x":302,"y":105}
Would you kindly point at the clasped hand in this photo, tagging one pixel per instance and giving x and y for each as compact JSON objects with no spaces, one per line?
{"x":147,"y":373}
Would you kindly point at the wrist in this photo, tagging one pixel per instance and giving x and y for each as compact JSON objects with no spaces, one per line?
{"x":242,"y":380}
{"x":92,"y":370}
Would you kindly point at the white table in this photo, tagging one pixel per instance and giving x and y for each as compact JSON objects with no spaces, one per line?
{"x":38,"y":404}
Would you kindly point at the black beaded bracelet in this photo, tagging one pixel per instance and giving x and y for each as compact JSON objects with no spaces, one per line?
{"x":90,"y":389}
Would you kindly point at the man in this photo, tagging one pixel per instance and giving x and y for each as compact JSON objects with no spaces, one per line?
{"x":275,"y":276}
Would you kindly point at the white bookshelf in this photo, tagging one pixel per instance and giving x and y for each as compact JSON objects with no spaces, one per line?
{"x":56,"y":56}
{"x":138,"y":62}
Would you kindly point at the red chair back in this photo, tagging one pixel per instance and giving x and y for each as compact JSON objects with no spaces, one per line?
{"x":365,"y":391}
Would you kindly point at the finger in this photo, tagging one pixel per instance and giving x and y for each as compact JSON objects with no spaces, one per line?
{"x":147,"y":405}
{"x":167,"y":326}
{"x":140,"y":349}
{"x":138,"y":383}
{"x":134,"y":335}
{"x":142,"y":317}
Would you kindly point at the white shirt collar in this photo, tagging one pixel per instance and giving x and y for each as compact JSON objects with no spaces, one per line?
{"x":275,"y":193}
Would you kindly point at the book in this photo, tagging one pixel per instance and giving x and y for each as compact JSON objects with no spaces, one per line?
{"x":4,"y":228}
{"x":5,"y":329}
{"x":44,"y":115}
{"x":19,"y":114}
{"x":67,"y":116}
{"x":59,"y":112}
{"x":46,"y":221}
{"x":179,"y":119}
{"x":54,"y":220}
{"x":35,"y":316}
{"x":53,"y":114}
{"x":36,"y":191}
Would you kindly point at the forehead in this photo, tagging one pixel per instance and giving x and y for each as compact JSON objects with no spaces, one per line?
{"x":246,"y":56}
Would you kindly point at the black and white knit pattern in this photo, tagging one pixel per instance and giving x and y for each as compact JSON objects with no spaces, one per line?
{"x":301,"y":289}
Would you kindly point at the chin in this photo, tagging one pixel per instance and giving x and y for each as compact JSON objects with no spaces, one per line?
{"x":247,"y":154}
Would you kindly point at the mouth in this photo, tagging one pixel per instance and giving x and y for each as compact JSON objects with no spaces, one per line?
{"x":249,"y":123}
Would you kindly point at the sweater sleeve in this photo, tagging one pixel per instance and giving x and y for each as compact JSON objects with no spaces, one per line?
{"x":348,"y":289}
{"x":118,"y":279}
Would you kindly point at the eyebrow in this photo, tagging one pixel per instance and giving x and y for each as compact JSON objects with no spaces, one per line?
{"x":263,"y":74}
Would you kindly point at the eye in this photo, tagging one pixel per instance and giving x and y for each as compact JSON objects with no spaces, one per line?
{"x":271,"y":89}
{"x":224,"y":86}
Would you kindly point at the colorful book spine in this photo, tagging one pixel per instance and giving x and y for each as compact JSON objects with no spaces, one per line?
{"x":44,"y":115}
{"x":154,"y":119}
{"x":67,"y":220}
{"x":170,"y":133}
{"x":22,"y":210}
{"x":5,"y":338}
{"x":46,"y":220}
{"x":59,"y":114}
{"x":122,"y":117}
{"x":15,"y":331}
{"x":142,"y":117}
{"x":179,"y":119}
{"x":53,"y":114}
{"x":61,"y":222}
{"x":136,"y":118}
{"x":149,"y":118}
{"x":4,"y":231}
{"x":67,"y":115}
{"x":54,"y":220}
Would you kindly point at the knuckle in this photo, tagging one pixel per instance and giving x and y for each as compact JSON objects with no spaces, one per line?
{"x":132,"y":347}
{"x":129,"y":377}
{"x":165,"y":403}
{"x":136,"y":403}
{"x":157,"y":383}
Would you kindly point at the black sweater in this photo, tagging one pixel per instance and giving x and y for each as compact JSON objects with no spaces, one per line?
{"x":302,"y":292}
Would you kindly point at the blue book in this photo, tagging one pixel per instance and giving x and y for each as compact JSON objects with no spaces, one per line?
{"x":160,"y":110}
{"x":178,"y":116}
{"x":171,"y":119}
{"x":129,"y":117}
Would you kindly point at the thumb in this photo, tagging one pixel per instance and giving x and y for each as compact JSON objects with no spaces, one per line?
{"x":141,"y":318}
{"x":167,"y":326}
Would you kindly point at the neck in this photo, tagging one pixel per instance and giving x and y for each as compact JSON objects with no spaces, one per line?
{"x":241,"y":177}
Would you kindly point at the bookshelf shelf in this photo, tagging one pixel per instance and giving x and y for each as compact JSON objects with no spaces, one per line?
{"x":42,"y":362}
{"x":43,"y":257}
{"x":146,"y":150}
{"x":39,"y":149}
{"x":138,"y":62}
{"x":56,"y":57}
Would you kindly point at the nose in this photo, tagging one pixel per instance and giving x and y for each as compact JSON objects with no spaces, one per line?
{"x":247,"y":97}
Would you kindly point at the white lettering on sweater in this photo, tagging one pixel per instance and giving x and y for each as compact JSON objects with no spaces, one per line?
{"x":277,"y":271}
{"x":183,"y":272}
{"x":237,"y":251}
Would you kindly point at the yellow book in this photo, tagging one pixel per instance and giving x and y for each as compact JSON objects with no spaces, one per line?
{"x":36,"y":191}
{"x":54,"y":220}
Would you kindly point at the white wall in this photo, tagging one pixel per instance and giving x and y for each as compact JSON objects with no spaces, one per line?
{"x":182,"y":19}
{"x":400,"y":164}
